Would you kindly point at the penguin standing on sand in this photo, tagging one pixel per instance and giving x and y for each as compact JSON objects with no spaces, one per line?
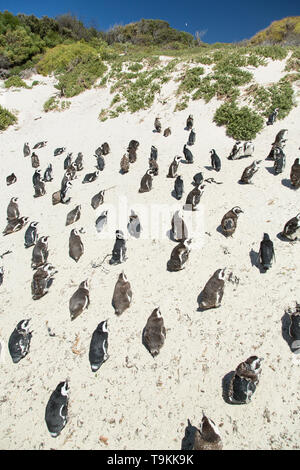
{"x":207,"y":437}
{"x":167,"y":132}
{"x":78,"y":162}
{"x":122,"y":295}
{"x":39,"y":189}
{"x":294,"y":328}
{"x":40,"y":145}
{"x":26,"y":150}
{"x":198,"y":179}
{"x":119,"y":249}
{"x":98,"y":346}
{"x":248,"y":149}
{"x":154,"y":333}
{"x":212,"y":294}
{"x":245,"y":380}
{"x":134,"y":226}
{"x":42,"y":280}
{"x":65,"y":193}
{"x":48,"y":173}
{"x":272,"y":117}
{"x":1,"y":280}
{"x":153,"y":153}
{"x":192,"y":137}
{"x":249,"y":171}
{"x":74,"y":215}
{"x":266,"y":252}
{"x":124,"y":164}
{"x":105,"y":149}
{"x":15,"y":225}
{"x":295,"y":174}
{"x":40,"y":253}
{"x":188,"y":155}
{"x":59,"y":151}
{"x":97,"y":200}
{"x":68,"y":161}
{"x":80,"y":300}
{"x":157,"y":124}
{"x":31,"y":235}
{"x":237,"y":151}
{"x":215,"y":160}
{"x":229,"y":221}
{"x":13,"y":212}
{"x":178,"y":187}
{"x":179,"y":256}
{"x":174,"y":167}
{"x":179,"y":231}
{"x":56,"y":414}
{"x":280,"y":160}
{"x":36,"y":178}
{"x":153,"y":166}
{"x":146,"y":182}
{"x":19,"y":341}
{"x":11,"y":179}
{"x":91,"y":177}
{"x":190,"y":122}
{"x":101,"y":221}
{"x":291,"y":229}
{"x":100,"y":162}
{"x":76,"y":248}
{"x":193,"y":198}
{"x":35,"y":162}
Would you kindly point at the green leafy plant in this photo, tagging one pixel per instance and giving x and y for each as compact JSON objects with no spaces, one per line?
{"x":241,"y":123}
{"x":6,"y":118}
{"x":15,"y":81}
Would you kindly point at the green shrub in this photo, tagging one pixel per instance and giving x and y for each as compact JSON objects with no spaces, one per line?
{"x":241,"y":123}
{"x":35,"y":82}
{"x":191,"y":79}
{"x":51,"y":104}
{"x":279,"y":95}
{"x":15,"y":81}
{"x":272,"y":52}
{"x":135,"y":67}
{"x":6,"y":118}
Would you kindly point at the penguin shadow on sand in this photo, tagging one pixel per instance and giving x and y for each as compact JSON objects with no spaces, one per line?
{"x":209,"y":167}
{"x":219,"y":230}
{"x":282,"y":238}
{"x":270,"y":169}
{"x":254,"y":258}
{"x":144,"y":342}
{"x":287,"y":183}
{"x":285,"y":323}
{"x":225,"y":386}
{"x":170,"y":236}
{"x":173,"y":194}
{"x":188,"y":440}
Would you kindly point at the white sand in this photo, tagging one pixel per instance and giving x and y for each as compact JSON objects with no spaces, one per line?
{"x":139,"y":402}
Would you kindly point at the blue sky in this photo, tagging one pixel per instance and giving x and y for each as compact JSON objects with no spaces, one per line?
{"x":223,"y":21}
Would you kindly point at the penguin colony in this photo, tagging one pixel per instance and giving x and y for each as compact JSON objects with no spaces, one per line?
{"x":246,"y":377}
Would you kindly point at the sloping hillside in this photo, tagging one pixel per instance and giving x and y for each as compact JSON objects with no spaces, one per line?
{"x":284,"y":32}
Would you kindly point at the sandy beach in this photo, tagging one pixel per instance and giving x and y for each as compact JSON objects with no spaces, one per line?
{"x":135,"y":401}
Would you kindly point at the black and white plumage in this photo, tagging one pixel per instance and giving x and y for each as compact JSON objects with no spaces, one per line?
{"x":68,"y":161}
{"x":65,"y":193}
{"x":229,"y":221}
{"x":154,"y":333}
{"x":153,"y":153}
{"x":40,"y":253}
{"x":11,"y":179}
{"x":167,"y":132}
{"x":295,"y":174}
{"x":101,"y":221}
{"x":105,"y":148}
{"x":100,"y":162}
{"x":122,"y":295}
{"x":56,"y":414}
{"x":132,"y":154}
{"x":42,"y":280}
{"x":97,"y":200}
{"x":190,"y":122}
{"x":59,"y":151}
{"x":179,"y":231}
{"x":31,"y":235}
{"x":80,"y":300}
{"x":13,"y":212}
{"x":272,"y":117}
{"x":291,"y":229}
{"x":174,"y":167}
{"x":294,"y":328}
{"x":212,"y":294}
{"x":249,"y":171}
{"x":245,"y":380}
{"x":280,"y":161}
{"x":90,"y":177}
{"x":39,"y":145}
{"x":26,"y":150}
{"x":215,"y":160}
{"x":281,"y":136}
{"x":36,"y":178}
{"x":153,"y":166}
{"x":78,"y":162}
{"x":39,"y":189}
{"x":134,"y":226}
{"x":35,"y":162}
{"x":48,"y":174}
{"x":98,"y":152}
{"x":248,"y":149}
{"x":15,"y":225}
{"x":192,"y":137}
{"x":124,"y":164}
{"x":198,"y":179}
{"x":73,"y":215}
{"x":146,"y":182}
{"x":76,"y":248}
{"x":1,"y":280}
{"x":193,"y":198}
{"x":157,"y":124}
{"x":266,"y":252}
{"x":179,"y":256}
{"x":133,"y":144}
{"x":208,"y":436}
{"x":19,"y":341}
{"x":119,"y":249}
{"x":237,"y":151}
{"x":98,"y":346}
{"x":178,"y":187}
{"x":188,"y":155}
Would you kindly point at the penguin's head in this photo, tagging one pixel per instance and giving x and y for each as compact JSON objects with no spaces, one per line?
{"x":123,"y":277}
{"x":209,"y":430}
{"x":23,"y":325}
{"x":84,"y":284}
{"x":266,"y":237}
{"x":97,"y":173}
{"x":50,"y":269}
{"x":119,"y":234}
{"x":237,"y":210}
{"x":254,"y":362}
{"x":103,"y":326}
{"x":24,"y":220}
{"x":14,"y":199}
{"x":44,"y":239}
{"x":78,"y":208}
{"x":156,"y":312}
{"x":177,"y":158}
{"x":150,"y":172}
{"x":74,"y":232}
{"x":221,"y":273}
{"x":38,"y":171}
{"x":63,"y":388}
{"x":33,"y":224}
{"x":212,"y":151}
{"x":68,"y":184}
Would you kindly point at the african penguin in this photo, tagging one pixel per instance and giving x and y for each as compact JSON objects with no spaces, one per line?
{"x":124,"y":164}
{"x":80,"y":300}
{"x":280,"y":160}
{"x":68,"y":161}
{"x":179,"y":256}
{"x":237,"y":151}
{"x":1,"y":280}
{"x":48,"y":173}
{"x":249,"y":171}
{"x":97,"y":200}
{"x":36,"y":178}
{"x":100,"y":162}
{"x":134,"y":226}
{"x":245,"y":380}
{"x":74,"y":215}
{"x":35,"y":162}
{"x":39,"y":145}
{"x":266,"y":252}
{"x":157,"y":124}
{"x":90,"y":177}
{"x":229,"y":221}
{"x":198,"y":179}
{"x":188,"y":155}
{"x":146,"y":182}
{"x":122,"y":295}
{"x":101,"y":221}
{"x":178,"y":187}
{"x":56,"y":414}
{"x":15,"y":225}
{"x":26,"y":150}
{"x":179,"y":231}
{"x":105,"y":148}
{"x":248,"y":149}
{"x":167,"y":132}
{"x":207,"y":437}
{"x":13,"y":212}
{"x":154,"y":333}
{"x":39,"y":189}
{"x":294,"y":328}
{"x":59,"y":151}
{"x":193,"y":198}
{"x":76,"y":248}
{"x":40,"y":253}
{"x":192,"y":137}
{"x":31,"y":235}
{"x":272,"y":117}
{"x":119,"y":249}
{"x":98,"y":346}
{"x":174,"y":167}
{"x":19,"y":341}
{"x":11,"y":179}
{"x":295,"y":174}
{"x":190,"y":122}
{"x":215,"y":160}
{"x":291,"y":229}
{"x":42,"y":281}
{"x":212,"y":294}
{"x":64,"y":193}
{"x":153,"y":153}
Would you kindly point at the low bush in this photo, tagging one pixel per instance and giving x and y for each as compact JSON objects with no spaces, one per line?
{"x":241,"y":123}
{"x":15,"y":81}
{"x":6,"y":118}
